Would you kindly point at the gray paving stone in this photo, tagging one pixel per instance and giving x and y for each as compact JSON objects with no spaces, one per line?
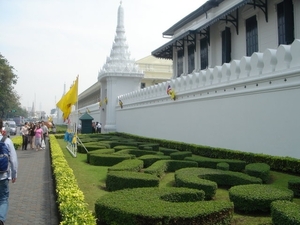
{"x":32,"y":198}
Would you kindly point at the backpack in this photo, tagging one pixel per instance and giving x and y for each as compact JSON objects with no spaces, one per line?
{"x":4,"y":156}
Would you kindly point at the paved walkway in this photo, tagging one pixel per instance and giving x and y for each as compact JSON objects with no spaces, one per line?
{"x":32,"y":198}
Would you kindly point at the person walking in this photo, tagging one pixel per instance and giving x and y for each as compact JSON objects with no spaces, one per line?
{"x":24,"y":132}
{"x":31,"y":134}
{"x":45,"y":130}
{"x":5,"y":177}
{"x":98,"y":127}
{"x":38,"y":137}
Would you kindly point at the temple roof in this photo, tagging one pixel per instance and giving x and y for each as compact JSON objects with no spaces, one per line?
{"x":119,"y":62}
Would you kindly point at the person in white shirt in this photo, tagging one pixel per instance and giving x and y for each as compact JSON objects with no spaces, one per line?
{"x":98,"y":127}
{"x":5,"y":177}
{"x":24,"y":132}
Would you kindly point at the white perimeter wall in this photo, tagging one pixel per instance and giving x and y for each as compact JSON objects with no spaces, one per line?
{"x":251,"y":105}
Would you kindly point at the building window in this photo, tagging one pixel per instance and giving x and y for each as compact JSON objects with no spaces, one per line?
{"x":143,"y":85}
{"x":226,"y":45}
{"x":204,"y":53}
{"x":285,"y":19}
{"x":251,"y":36}
{"x":180,"y":63}
{"x":191,"y":58}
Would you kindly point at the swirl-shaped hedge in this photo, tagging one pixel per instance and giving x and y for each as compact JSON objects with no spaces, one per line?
{"x":257,"y":197}
{"x":209,"y":179}
{"x":145,"y":206}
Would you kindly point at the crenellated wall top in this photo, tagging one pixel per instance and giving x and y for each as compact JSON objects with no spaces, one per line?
{"x":248,"y":73}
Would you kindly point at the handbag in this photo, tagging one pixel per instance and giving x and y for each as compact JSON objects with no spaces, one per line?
{"x":43,"y":144}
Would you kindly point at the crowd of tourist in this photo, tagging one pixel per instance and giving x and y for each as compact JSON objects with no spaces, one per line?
{"x":34,"y":135}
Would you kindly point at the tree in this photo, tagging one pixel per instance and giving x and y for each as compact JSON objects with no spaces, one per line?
{"x":8,"y":97}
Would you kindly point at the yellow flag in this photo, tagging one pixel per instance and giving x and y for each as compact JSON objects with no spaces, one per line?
{"x":69,"y":99}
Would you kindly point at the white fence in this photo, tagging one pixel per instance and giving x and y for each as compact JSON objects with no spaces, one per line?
{"x":252,"y":105}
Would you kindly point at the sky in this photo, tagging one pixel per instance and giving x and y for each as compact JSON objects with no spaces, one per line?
{"x":50,"y":42}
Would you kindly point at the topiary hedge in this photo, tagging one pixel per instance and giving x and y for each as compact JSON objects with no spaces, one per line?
{"x":294,"y":185}
{"x":261,"y":170}
{"x":90,"y":147}
{"x":197,"y":178}
{"x":234,"y":165}
{"x":180,"y":155}
{"x":167,"y":151}
{"x":285,"y":212}
{"x":134,"y":165}
{"x":138,"y":152}
{"x":108,"y":159}
{"x":168,"y":206}
{"x":257,"y":197}
{"x":149,"y":146}
{"x":99,"y":151}
{"x":223,"y":166}
{"x":118,"y":180}
{"x":150,"y":159}
{"x":160,"y":167}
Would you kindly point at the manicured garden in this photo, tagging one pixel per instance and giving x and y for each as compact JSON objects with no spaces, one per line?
{"x":228,"y":191}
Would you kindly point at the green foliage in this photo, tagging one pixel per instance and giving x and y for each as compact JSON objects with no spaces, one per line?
{"x":108,"y":159}
{"x":261,"y":170}
{"x":278,"y":163}
{"x":294,"y":185}
{"x":118,"y":180}
{"x":180,"y":155}
{"x":197,"y":178}
{"x":167,"y":151}
{"x":134,"y":165}
{"x":9,"y":97}
{"x":149,"y":146}
{"x":70,"y":199}
{"x":150,"y":159}
{"x":234,"y":165}
{"x":160,"y":167}
{"x":142,"y":206}
{"x":285,"y":212}
{"x":17,"y":140}
{"x":257,"y":197}
{"x":223,"y":166}
{"x":138,"y":152}
{"x":99,"y":151}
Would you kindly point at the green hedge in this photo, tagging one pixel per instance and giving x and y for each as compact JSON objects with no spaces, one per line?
{"x":234,"y":165}
{"x":223,"y":166}
{"x":294,"y":185}
{"x":197,"y":178}
{"x":70,"y":199}
{"x":261,"y":170}
{"x":285,"y":212}
{"x":108,"y":159}
{"x":180,"y":155}
{"x":145,"y":206}
{"x":90,"y":147}
{"x":134,"y":165}
{"x":99,"y":151}
{"x":160,"y":167}
{"x":167,"y":151}
{"x":149,"y":146}
{"x":150,"y":159}
{"x":257,"y":197}
{"x":138,"y":152}
{"x":283,"y":164}
{"x":118,"y":180}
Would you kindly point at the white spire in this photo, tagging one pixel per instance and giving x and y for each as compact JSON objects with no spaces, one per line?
{"x":119,"y":62}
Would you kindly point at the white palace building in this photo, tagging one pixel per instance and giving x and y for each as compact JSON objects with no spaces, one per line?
{"x":236,"y":77}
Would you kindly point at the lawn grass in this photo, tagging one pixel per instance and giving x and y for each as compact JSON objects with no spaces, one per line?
{"x":91,"y":180}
